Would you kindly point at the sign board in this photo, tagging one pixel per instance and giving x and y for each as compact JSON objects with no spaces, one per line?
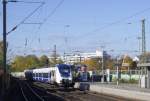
{"x":125,"y":65}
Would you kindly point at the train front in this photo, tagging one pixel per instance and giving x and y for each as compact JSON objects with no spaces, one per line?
{"x":65,"y":75}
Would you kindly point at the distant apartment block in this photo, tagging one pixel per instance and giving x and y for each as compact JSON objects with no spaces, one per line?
{"x":81,"y":56}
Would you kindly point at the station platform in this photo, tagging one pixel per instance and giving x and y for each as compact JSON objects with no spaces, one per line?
{"x":122,"y":90}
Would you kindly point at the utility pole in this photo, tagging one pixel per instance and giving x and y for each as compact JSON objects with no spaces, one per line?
{"x":139,"y":39}
{"x":143,"y":37}
{"x":117,"y":71}
{"x":80,"y":58}
{"x":102,"y":66}
{"x":64,"y":57}
{"x":55,"y":57}
{"x":102,"y":80}
{"x":4,"y":48}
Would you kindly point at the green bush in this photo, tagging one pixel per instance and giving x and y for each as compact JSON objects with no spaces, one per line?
{"x":133,"y":81}
{"x":123,"y":81}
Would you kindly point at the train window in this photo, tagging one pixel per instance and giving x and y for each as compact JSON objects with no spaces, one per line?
{"x":64,"y":71}
{"x":45,"y":75}
{"x":33,"y":74}
{"x":50,"y":74}
{"x":36,"y":74}
{"x":53,"y":73}
{"x":40,"y":74}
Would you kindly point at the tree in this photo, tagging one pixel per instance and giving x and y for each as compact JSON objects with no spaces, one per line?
{"x":133,"y":65}
{"x":44,"y":60}
{"x":96,"y":63}
{"x":109,"y":63}
{"x":145,"y":57}
{"x":21,"y":63}
{"x":32,"y":61}
{"x":93,"y":64}
{"x":127,"y":62}
{"x":54,"y":59}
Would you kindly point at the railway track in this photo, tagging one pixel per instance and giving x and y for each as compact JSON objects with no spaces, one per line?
{"x":30,"y":93}
{"x":77,"y":95}
{"x":65,"y":94}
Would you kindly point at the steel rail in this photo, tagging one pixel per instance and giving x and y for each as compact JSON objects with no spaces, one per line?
{"x":38,"y":96}
{"x":24,"y":96}
{"x":77,"y":94}
{"x":31,"y":91}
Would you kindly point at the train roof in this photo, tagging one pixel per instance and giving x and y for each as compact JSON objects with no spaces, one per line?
{"x":43,"y":70}
{"x":28,"y":70}
{"x":63,"y":65}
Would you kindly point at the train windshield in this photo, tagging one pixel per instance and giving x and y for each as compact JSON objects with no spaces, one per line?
{"x":64,"y":70}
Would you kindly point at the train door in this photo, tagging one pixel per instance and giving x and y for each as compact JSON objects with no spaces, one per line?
{"x":33,"y":76}
{"x":53,"y":76}
{"x":36,"y":74}
{"x":49,"y":77}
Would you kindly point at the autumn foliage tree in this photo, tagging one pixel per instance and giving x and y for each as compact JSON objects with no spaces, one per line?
{"x":55,"y":59}
{"x":18,"y":64}
{"x":44,"y":60}
{"x":109,"y":63}
{"x":128,"y":63}
{"x":145,"y":57}
{"x":96,"y":63}
{"x":93,"y":64}
{"x":21,"y":63}
{"x":24,"y":62}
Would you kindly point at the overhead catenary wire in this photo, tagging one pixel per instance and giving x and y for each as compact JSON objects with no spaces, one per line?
{"x":21,"y":1}
{"x":52,"y":12}
{"x":115,"y":22}
{"x":46,"y":18}
{"x":27,"y":17}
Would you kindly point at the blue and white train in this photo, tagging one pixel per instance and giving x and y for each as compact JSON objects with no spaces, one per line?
{"x":60,"y":75}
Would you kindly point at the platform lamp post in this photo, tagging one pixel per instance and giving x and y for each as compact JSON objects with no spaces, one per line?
{"x":102,"y":80}
{"x":139,"y":39}
{"x":65,"y":34}
{"x":118,"y":70}
{"x":101,"y":60}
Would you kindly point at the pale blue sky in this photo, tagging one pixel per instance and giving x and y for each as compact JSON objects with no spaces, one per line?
{"x":89,"y":26}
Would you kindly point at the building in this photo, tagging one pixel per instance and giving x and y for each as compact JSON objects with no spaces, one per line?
{"x":79,"y":57}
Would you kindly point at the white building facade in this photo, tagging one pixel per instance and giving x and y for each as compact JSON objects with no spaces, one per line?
{"x":80,"y":57}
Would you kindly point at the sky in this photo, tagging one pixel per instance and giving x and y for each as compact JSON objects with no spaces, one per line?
{"x":77,"y":25}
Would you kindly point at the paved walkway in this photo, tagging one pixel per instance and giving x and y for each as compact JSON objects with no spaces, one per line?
{"x":132,"y":87}
{"x":123,"y":90}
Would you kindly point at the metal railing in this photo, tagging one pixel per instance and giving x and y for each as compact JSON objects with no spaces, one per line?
{"x":123,"y":76}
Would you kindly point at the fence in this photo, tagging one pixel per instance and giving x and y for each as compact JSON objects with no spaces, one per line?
{"x":123,"y":76}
